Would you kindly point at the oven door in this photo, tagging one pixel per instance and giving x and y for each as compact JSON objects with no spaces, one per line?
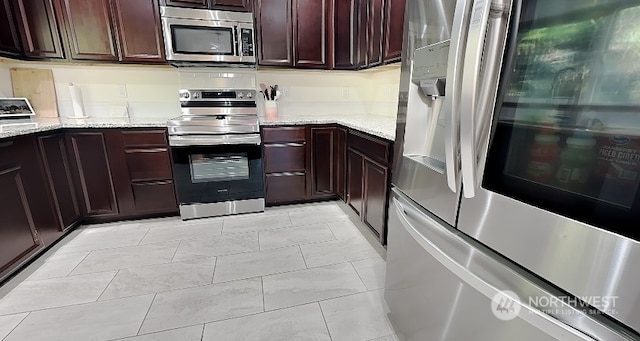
{"x":202,"y":41}
{"x":212,"y":174}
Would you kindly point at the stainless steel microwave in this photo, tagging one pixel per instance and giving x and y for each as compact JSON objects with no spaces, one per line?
{"x":207,"y":36}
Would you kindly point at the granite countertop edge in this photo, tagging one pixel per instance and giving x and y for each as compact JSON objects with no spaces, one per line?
{"x":383,"y":127}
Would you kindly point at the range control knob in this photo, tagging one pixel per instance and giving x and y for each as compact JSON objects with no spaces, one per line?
{"x":196,"y":95}
{"x":185,"y":95}
{"x":249,"y":95}
{"x":240,"y":95}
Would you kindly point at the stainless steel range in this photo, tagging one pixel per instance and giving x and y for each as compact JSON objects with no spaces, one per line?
{"x":217,"y":160}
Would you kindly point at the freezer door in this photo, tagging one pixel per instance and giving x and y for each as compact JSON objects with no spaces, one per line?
{"x":560,"y":194}
{"x":442,"y":286}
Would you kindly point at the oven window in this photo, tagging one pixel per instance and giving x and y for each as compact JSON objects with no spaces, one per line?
{"x":216,"y":167}
{"x":202,"y":40}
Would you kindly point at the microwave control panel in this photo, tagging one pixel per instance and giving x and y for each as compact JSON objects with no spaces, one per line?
{"x":246,"y":35}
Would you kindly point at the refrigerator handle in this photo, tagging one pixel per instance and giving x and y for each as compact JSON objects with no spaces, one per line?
{"x":458,"y":256}
{"x":482,"y":66}
{"x":452,"y":91}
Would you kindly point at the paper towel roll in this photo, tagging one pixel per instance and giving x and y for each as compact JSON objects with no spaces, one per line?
{"x":76,"y":101}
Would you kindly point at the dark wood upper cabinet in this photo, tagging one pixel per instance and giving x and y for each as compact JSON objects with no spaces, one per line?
{"x":275,"y":32}
{"x":89,"y":30}
{"x":38,"y":29}
{"x":139,"y":31}
{"x":394,"y":26}
{"x":375,"y":25}
{"x":9,"y":40}
{"x":310,"y":33}
{"x":232,"y":5}
{"x":187,"y":3}
{"x":350,"y":34}
{"x":91,"y":162}
{"x":323,"y":149}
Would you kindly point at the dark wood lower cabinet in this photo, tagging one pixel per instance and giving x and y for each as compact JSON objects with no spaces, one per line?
{"x":285,"y":187}
{"x":55,"y":158}
{"x":18,"y":235}
{"x":323,"y":171}
{"x":95,"y":178}
{"x":341,"y":163}
{"x":368,"y":163}
{"x":375,"y":196}
{"x":355,"y":171}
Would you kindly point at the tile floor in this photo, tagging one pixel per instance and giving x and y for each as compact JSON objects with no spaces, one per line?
{"x":300,"y":272}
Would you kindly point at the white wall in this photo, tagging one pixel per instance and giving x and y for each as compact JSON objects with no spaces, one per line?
{"x":5,"y":80}
{"x":152,"y":91}
{"x":343,"y":92}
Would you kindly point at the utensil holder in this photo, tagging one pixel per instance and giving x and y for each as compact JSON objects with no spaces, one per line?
{"x":270,"y":109}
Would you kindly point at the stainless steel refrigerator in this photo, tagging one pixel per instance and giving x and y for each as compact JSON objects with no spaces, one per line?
{"x":515,"y":206}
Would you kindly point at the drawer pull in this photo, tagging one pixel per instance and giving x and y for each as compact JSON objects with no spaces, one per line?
{"x":282,"y":145}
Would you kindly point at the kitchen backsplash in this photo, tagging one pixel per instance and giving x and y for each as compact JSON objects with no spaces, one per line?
{"x":5,"y":81}
{"x":145,"y":91}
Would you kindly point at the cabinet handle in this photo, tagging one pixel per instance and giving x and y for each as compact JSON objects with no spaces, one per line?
{"x":290,"y":144}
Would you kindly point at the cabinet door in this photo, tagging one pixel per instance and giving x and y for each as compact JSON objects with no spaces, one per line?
{"x":188,"y":3}
{"x":322,"y":161}
{"x":350,"y":34}
{"x":285,"y":187}
{"x":57,"y":167}
{"x":340,"y":162}
{"x":38,"y":28}
{"x":139,"y":33}
{"x":355,"y":181}
{"x":18,"y":233}
{"x":375,"y":31}
{"x":9,"y":41}
{"x":310,"y":33}
{"x":375,"y":197}
{"x":274,"y":32}
{"x":91,"y":161}
{"x":393,"y":30}
{"x":231,"y":5}
{"x":89,"y":31}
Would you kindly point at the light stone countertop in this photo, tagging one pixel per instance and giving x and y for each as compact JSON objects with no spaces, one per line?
{"x":11,"y":128}
{"x":380,"y":126}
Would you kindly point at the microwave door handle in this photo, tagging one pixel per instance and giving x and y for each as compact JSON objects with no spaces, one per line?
{"x":451,"y":106}
{"x":237,"y":40}
{"x":495,"y":46}
{"x":474,"y":107}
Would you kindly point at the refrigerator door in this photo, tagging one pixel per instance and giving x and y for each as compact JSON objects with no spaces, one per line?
{"x":426,"y":154}
{"x":560,"y":192}
{"x":440,"y":285}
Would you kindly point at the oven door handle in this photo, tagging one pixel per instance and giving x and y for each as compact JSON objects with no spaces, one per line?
{"x":213,"y":140}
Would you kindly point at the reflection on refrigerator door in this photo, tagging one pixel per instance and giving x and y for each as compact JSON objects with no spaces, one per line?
{"x":563,"y":164}
{"x":542,"y":128}
{"x":458,"y":291}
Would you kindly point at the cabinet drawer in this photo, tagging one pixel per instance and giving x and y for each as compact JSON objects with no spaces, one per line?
{"x":289,"y":157}
{"x":159,"y":196}
{"x":284,"y":134}
{"x":374,"y":148}
{"x":285,"y":187}
{"x":149,"y":164}
{"x":137,"y":138}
